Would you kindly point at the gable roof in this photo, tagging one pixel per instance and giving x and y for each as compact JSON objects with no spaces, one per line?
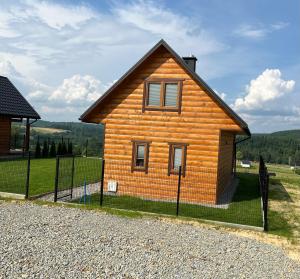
{"x":194,"y":75}
{"x":12,"y":103}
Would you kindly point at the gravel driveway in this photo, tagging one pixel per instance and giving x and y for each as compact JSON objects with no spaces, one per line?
{"x":56,"y":242}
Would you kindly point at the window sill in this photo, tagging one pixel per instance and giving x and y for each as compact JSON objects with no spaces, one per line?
{"x":139,"y":169}
{"x":172,"y":109}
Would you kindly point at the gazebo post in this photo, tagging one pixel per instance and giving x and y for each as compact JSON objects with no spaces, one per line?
{"x":27,"y":135}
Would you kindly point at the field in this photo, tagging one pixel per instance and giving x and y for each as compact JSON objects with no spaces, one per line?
{"x":47,"y":131}
{"x":42,"y":174}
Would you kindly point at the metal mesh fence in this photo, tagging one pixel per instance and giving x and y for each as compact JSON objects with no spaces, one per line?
{"x":198,"y":193}
{"x":76,"y":177}
{"x":14,"y":173}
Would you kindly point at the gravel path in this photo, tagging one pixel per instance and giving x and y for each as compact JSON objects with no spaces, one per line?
{"x":56,"y":242}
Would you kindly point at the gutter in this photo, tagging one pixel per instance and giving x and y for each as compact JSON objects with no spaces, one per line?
{"x":248,"y":137}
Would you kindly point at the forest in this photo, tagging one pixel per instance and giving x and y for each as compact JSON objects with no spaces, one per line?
{"x":280,"y":147}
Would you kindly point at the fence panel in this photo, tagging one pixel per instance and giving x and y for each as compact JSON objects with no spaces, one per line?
{"x":153,"y":191}
{"x":198,"y":193}
{"x":77,"y":177}
{"x":14,"y":173}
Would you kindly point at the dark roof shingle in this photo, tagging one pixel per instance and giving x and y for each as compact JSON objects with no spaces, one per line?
{"x":12,"y":103}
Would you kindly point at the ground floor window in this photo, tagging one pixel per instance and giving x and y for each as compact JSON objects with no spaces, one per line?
{"x":177,"y":158}
{"x":140,"y":155}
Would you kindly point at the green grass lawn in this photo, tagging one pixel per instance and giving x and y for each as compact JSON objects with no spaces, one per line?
{"x":284,"y":218}
{"x":42,"y":174}
{"x":244,"y":209}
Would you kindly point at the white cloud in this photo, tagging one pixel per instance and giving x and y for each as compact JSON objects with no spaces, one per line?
{"x":279,"y":25}
{"x":7,"y":68}
{"x":249,"y":31}
{"x":222,"y":95}
{"x":258,"y":31}
{"x":162,"y":22}
{"x":264,"y":91}
{"x":68,"y":100}
{"x":77,"y":90}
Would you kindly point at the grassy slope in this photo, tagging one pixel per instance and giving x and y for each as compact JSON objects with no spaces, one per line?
{"x":284,"y":214}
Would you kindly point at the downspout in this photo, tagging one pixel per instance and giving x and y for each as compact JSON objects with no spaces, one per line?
{"x":235,"y":143}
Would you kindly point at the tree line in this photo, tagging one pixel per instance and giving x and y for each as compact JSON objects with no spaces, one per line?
{"x":50,"y":150}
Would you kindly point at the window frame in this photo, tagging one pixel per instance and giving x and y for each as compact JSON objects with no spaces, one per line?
{"x":172,"y":146}
{"x":135,"y":144}
{"x":162,"y":82}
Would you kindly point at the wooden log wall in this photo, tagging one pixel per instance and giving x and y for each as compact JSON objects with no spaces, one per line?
{"x":5,"y":128}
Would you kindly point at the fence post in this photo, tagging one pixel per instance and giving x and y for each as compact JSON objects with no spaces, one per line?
{"x":266,"y":226}
{"x":86,"y":147}
{"x":56,"y":178}
{"x":72,"y":179}
{"x":102,"y":182}
{"x":178,"y":191}
{"x":28,"y":177}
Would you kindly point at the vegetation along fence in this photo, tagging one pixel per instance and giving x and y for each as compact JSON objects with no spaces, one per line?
{"x":190,"y":193}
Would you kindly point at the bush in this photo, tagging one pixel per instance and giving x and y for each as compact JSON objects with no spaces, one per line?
{"x":59,"y":149}
{"x":52,"y":150}
{"x":70,"y":148}
{"x":38,"y":149}
{"x":45,"y":152}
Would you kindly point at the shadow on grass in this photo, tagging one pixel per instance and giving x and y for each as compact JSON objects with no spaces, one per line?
{"x":244,"y":209}
{"x":278,"y":191}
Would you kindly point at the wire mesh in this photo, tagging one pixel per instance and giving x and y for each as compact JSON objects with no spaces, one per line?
{"x":199,"y":193}
{"x":13,"y":173}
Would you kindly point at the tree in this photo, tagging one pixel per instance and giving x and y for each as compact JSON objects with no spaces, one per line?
{"x":70,"y":148}
{"x":64,"y":148}
{"x":59,"y":149}
{"x":38,"y":149}
{"x":52,"y":150}
{"x":45,"y":152}
{"x":239,"y":155}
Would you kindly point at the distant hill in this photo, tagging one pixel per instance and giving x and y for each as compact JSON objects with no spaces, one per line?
{"x":281,"y":147}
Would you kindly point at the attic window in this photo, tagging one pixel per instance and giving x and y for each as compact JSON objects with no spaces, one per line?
{"x":162,"y":95}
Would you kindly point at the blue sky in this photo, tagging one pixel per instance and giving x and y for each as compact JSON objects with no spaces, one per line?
{"x":63,"y":55}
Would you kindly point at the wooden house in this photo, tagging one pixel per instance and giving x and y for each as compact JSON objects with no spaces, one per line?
{"x":13,"y":108}
{"x":161,"y":115}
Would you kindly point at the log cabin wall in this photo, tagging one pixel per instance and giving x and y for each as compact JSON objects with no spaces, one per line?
{"x":5,"y":128}
{"x":225,"y":166}
{"x":198,"y":125}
